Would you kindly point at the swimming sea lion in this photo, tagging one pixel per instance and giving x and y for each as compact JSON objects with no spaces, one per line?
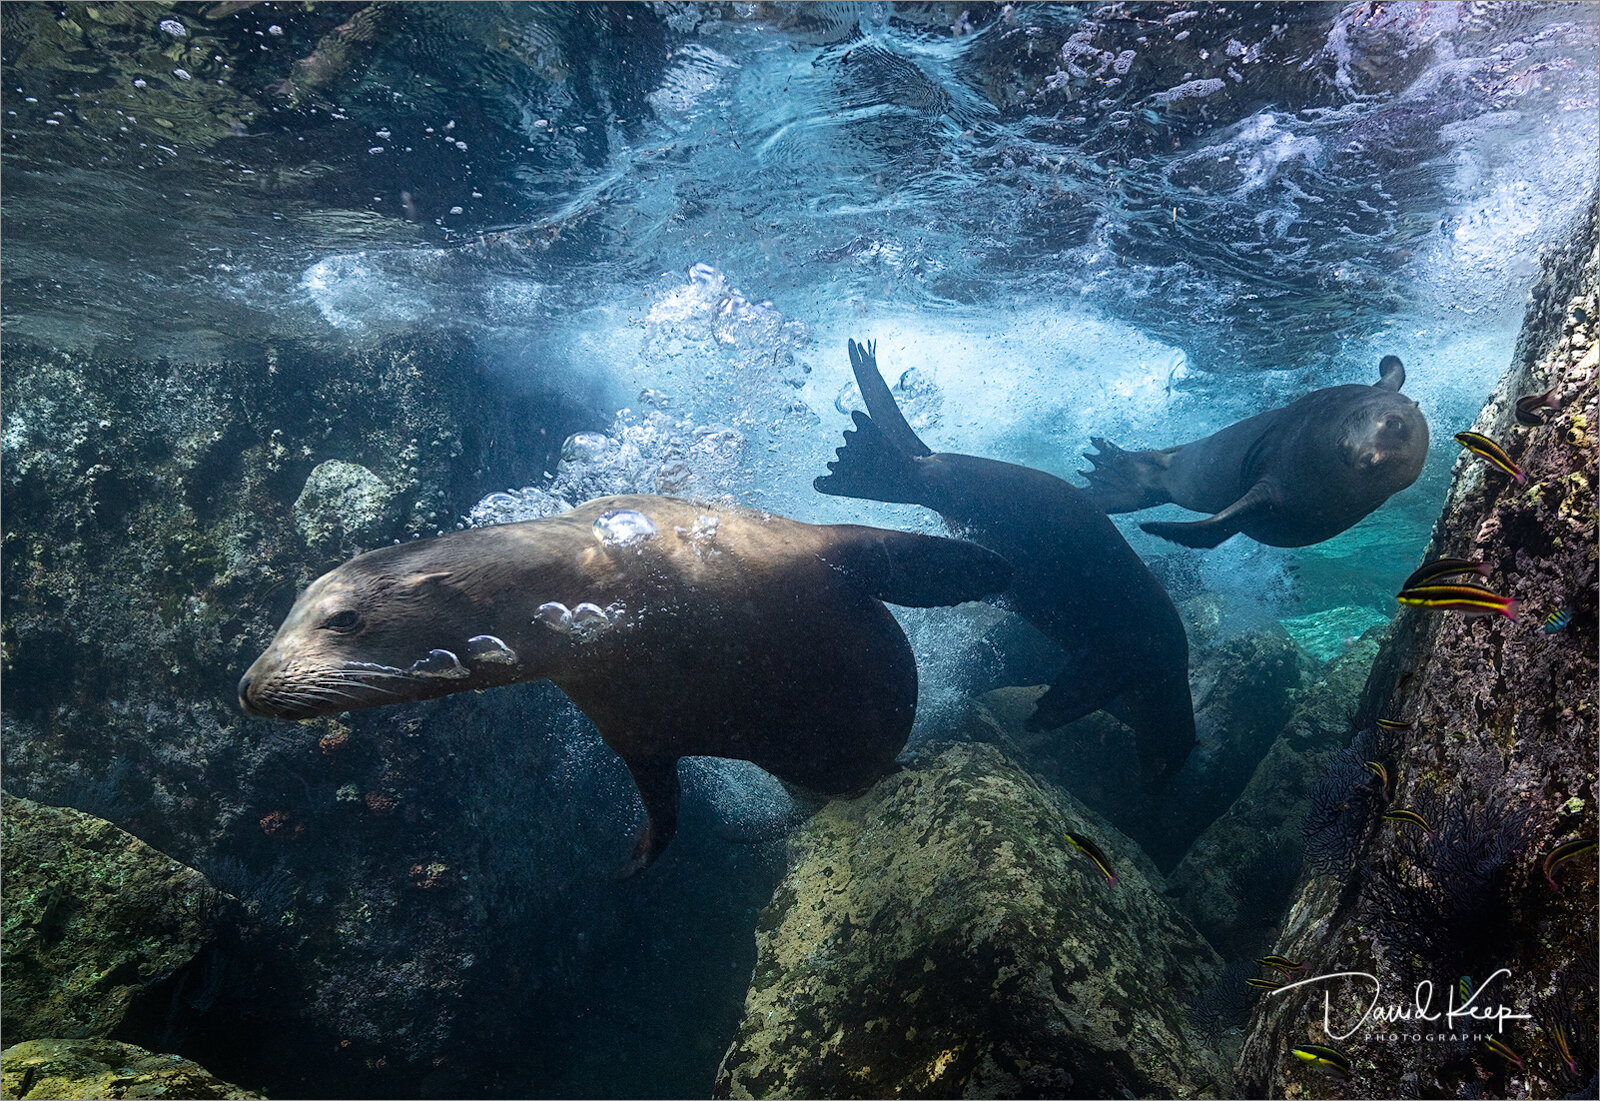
{"x":1074,"y":576}
{"x":680,"y":628}
{"x":1288,"y":477}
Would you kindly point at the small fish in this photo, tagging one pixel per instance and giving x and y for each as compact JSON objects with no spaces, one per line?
{"x":1410,"y":817}
{"x":1491,"y":452}
{"x":1264,"y":984}
{"x":1325,"y":1057}
{"x":1282,"y":964}
{"x":1528,"y":408}
{"x":1563,"y":853}
{"x":1377,"y":769}
{"x":1444,"y":567}
{"x":1459,"y":598}
{"x":1092,"y":851}
{"x":1556,"y":620}
{"x":1504,"y":1052}
{"x":1395,"y":724}
{"x":1559,"y":1031}
{"x":1464,"y":989}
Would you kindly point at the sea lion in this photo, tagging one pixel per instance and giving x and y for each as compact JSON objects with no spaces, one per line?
{"x":680,"y":628}
{"x":1288,"y":477}
{"x":1074,"y":576}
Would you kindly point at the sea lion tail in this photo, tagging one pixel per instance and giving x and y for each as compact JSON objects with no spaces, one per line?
{"x":1126,"y":481}
{"x":871,"y":467}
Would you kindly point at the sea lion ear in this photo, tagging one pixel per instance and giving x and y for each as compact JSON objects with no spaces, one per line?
{"x":426,"y":581}
{"x":1391,"y":373}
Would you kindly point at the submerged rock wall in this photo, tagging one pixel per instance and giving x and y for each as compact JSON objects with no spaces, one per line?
{"x":1499,"y":760}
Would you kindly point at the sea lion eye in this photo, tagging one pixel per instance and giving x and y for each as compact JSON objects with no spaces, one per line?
{"x":343,"y":622}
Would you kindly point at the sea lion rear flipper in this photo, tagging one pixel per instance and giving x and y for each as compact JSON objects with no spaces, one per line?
{"x":878,"y":461}
{"x":1391,"y":373}
{"x":1126,"y":481}
{"x":917,"y":571}
{"x":880,"y":403}
{"x":871,"y":467}
{"x":1160,"y":713}
{"x":1080,"y":690}
{"x":657,"y":781}
{"x":1207,"y":533}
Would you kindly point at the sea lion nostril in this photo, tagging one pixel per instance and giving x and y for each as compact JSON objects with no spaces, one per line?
{"x":244,"y":686}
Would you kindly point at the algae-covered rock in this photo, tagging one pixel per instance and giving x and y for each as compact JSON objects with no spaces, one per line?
{"x":939,"y":937}
{"x":103,"y":1068}
{"x":1236,"y":877}
{"x":344,"y":505}
{"x":95,"y":919}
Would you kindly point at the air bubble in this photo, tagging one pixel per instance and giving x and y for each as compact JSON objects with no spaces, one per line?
{"x":554,"y":615}
{"x":440,"y":663}
{"x":488,"y":649}
{"x":173,"y":27}
{"x":621,"y":527}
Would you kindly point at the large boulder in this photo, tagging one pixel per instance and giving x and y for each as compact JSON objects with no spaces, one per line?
{"x":1237,"y":876}
{"x":1501,"y":756}
{"x":104,"y":1068}
{"x":96,"y":923}
{"x":940,"y":937}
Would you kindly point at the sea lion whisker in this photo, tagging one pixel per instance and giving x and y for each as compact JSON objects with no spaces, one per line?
{"x":333,"y":695}
{"x":368,"y":674}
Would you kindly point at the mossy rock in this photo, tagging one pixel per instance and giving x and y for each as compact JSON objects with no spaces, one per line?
{"x":95,"y":922}
{"x":344,"y":505}
{"x":103,"y":1068}
{"x":939,"y":937}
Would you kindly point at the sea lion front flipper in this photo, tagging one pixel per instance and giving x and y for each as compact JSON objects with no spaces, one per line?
{"x":1207,"y":533}
{"x":917,"y":571}
{"x":657,"y":781}
{"x":1391,"y":373}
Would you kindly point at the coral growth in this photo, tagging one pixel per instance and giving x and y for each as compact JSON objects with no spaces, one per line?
{"x":1346,"y":802}
{"x":1441,"y":898}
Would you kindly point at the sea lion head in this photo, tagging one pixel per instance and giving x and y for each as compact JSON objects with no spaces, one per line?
{"x":389,"y":626}
{"x":1385,"y":438}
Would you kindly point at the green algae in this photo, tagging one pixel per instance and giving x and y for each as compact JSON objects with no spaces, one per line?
{"x":104,"y":1068}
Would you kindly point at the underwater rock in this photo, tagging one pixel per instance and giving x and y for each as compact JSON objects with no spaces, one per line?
{"x":96,"y":922}
{"x":344,"y":505}
{"x":1235,"y":878}
{"x":1503,"y":742}
{"x":104,"y":1068}
{"x":939,"y":936}
{"x":1244,"y":692}
{"x":149,"y":552}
